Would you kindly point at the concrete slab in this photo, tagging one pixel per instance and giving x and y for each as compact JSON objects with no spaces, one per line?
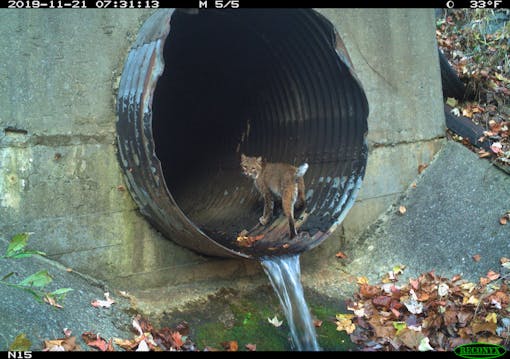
{"x":378,"y":191}
{"x":22,"y":314}
{"x":452,"y":214}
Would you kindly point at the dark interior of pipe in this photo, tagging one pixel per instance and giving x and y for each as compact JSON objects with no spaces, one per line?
{"x":260,"y":82}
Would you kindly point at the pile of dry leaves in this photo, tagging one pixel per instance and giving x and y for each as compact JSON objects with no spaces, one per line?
{"x":476,"y":44}
{"x":146,"y":338}
{"x":429,"y":312}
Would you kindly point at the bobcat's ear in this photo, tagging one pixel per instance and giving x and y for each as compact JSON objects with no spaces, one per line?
{"x":259,"y":159}
{"x":243,"y":157}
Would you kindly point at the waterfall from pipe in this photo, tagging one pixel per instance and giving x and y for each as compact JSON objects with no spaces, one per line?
{"x":285,"y":276}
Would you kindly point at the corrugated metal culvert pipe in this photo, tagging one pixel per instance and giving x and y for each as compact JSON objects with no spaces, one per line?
{"x":198,"y":89}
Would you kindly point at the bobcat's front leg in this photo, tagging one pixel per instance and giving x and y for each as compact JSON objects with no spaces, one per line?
{"x":268,"y":209}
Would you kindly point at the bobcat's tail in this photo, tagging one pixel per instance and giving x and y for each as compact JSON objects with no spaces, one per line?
{"x":302,"y":170}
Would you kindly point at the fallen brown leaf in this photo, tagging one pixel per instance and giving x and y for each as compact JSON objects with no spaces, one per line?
{"x":478,"y":327}
{"x":103,"y":303}
{"x":109,"y":347}
{"x":395,"y":312}
{"x":492,"y":339}
{"x":410,"y":338}
{"x":341,"y":255}
{"x":125,"y":343}
{"x":317,"y":323}
{"x":483,"y":154}
{"x":183,"y":327}
{"x":415,"y":284}
{"x":51,"y":301}
{"x":456,"y":277}
{"x":464,"y":317}
{"x":422,"y":167}
{"x":362,"y":280}
{"x":450,"y":317}
{"x":382,"y":301}
{"x":211,"y":349}
{"x":247,"y":241}
{"x":95,"y":341}
{"x":70,"y":345}
{"x":484,"y":280}
{"x":251,"y":347}
{"x":382,"y":329}
{"x":369,"y":291}
{"x":500,"y":296}
{"x":124,"y":294}
{"x":492,"y":275}
{"x":53,"y":345}
{"x":230,"y":346}
{"x":423,"y":296}
{"x":177,"y":339}
{"x":145,"y":325}
{"x":344,"y":323}
{"x":476,"y":257}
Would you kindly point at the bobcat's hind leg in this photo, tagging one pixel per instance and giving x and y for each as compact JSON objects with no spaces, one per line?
{"x":268,"y":209}
{"x":288,"y":201}
{"x":301,"y":200}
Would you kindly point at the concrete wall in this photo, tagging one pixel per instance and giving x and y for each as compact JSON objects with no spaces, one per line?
{"x":396,"y":59}
{"x":395,"y":56}
{"x":59,"y":176}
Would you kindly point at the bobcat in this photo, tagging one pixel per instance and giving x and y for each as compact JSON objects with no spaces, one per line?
{"x":278,"y":180}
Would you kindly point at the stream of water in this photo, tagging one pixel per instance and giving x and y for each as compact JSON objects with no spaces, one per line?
{"x":285,"y":276}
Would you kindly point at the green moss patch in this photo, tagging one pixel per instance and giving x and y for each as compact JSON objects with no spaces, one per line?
{"x":230,"y":316}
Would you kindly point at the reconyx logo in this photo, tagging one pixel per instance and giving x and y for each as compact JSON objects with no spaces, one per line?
{"x":479,"y":350}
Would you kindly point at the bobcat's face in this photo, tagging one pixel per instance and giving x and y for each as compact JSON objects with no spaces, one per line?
{"x":252,"y":166}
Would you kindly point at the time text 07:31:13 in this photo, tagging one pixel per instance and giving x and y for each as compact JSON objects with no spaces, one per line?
{"x":83,"y":4}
